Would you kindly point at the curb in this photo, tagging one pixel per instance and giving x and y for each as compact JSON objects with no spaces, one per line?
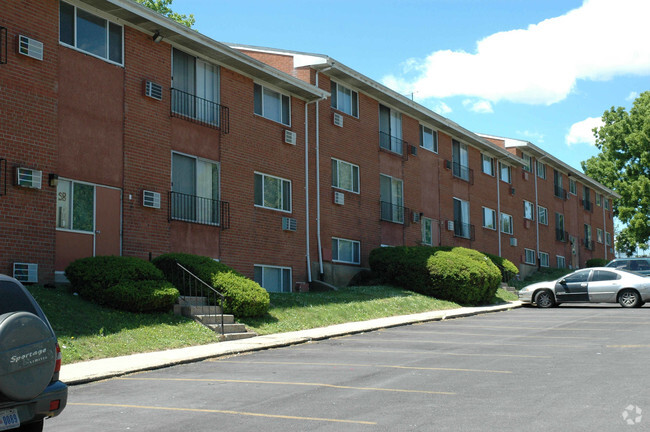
{"x":95,"y":370}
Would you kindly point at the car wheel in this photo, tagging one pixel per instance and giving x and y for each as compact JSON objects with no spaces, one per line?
{"x":544,"y":299}
{"x":32,"y":427}
{"x":629,"y":298}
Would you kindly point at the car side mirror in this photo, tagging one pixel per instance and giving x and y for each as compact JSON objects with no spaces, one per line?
{"x":563,"y":282}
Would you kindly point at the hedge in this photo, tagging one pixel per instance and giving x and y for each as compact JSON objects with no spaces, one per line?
{"x":597,"y":262}
{"x":142,"y":296}
{"x":505,"y":266}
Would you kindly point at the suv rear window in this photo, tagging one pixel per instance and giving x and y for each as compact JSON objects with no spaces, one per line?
{"x":14,"y":299}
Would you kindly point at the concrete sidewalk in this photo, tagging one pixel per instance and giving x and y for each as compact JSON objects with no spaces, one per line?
{"x":79,"y":373}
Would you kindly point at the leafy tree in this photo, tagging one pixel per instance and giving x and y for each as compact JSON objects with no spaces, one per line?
{"x":163,"y":7}
{"x":624,"y":166}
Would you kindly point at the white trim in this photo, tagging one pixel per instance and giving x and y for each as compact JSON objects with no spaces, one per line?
{"x":541,"y":261}
{"x":278,"y":91}
{"x":338,"y":239}
{"x":358,"y":178}
{"x":494,"y":214}
{"x":512,"y":228}
{"x":531,"y":251}
{"x":273,"y":208}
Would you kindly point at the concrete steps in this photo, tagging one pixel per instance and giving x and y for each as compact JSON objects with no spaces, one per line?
{"x":210,"y":316}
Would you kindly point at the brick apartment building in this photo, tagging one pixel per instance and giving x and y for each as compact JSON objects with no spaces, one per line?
{"x":123,"y":132}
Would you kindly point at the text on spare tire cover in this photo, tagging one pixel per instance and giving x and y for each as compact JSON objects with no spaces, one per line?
{"x":30,"y":358}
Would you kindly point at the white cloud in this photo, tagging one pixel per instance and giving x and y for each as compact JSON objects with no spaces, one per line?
{"x":441,"y":108}
{"x":533,"y":137}
{"x":481,"y":107}
{"x":542,"y":63}
{"x":632,"y":96}
{"x":582,"y":131}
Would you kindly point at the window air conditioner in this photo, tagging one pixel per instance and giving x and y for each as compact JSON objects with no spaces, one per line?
{"x":450,"y":225}
{"x":30,"y":47}
{"x":153,"y":90}
{"x":290,"y":137}
{"x":289,"y":224}
{"x":513,"y":241}
{"x":416,"y":217}
{"x":339,"y":198}
{"x":30,"y":178}
{"x":150,"y":199}
{"x":26,"y":272}
{"x":338,"y":120}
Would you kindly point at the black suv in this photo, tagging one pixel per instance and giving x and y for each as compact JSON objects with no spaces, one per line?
{"x":639,"y":265}
{"x":30,"y":361}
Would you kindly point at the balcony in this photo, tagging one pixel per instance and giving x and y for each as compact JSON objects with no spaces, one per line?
{"x":463,"y":230}
{"x":196,"y":209}
{"x":391,"y":143}
{"x":392,"y":212}
{"x":198,"y":110}
{"x":560,"y":192}
{"x":561,"y":235}
{"x":588,"y":205}
{"x":462,"y":172}
{"x":589,"y":244}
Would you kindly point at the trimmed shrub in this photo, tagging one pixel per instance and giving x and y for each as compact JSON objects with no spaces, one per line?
{"x":93,"y":276}
{"x":505,"y":266}
{"x":142,"y":296}
{"x":203,"y":267}
{"x":597,"y":262}
{"x":365,"y":278}
{"x":242,"y":296}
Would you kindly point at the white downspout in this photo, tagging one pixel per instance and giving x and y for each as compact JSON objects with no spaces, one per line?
{"x":602,"y":205}
{"x":497,"y":176}
{"x":318,"y":234}
{"x":307,"y":191}
{"x":537,"y":215}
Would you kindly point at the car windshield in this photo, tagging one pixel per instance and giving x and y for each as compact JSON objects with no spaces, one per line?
{"x":14,"y":299}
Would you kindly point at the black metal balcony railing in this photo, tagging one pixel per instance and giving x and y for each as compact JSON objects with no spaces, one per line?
{"x":3,"y":45}
{"x":3,"y":176}
{"x":588,"y":205}
{"x":391,"y":143}
{"x":561,"y":235}
{"x":392,"y":212}
{"x":462,"y":172}
{"x":560,"y":192}
{"x":589,"y":244}
{"x":196,"y":209}
{"x":464,"y":230}
{"x":198,"y":110}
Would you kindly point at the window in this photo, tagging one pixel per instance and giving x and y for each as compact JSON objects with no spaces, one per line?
{"x":428,"y":139}
{"x":460,"y":160}
{"x":392,"y":199}
{"x":346,"y":251}
{"x":560,"y":261}
{"x":529,"y":256}
{"x":506,"y":172}
{"x":588,"y":236}
{"x":581,"y":276}
{"x":427,"y":231}
{"x":560,"y":234}
{"x":75,"y":206}
{"x":273,"y":279}
{"x":541,"y":170}
{"x":528,"y":162}
{"x":557,"y":182}
{"x":506,"y":224}
{"x":390,"y":129}
{"x":195,"y":190}
{"x":462,"y":227}
{"x":604,"y":276}
{"x":586,"y":199}
{"x":195,"y":88}
{"x":489,"y":218}
{"x":272,"y":192}
{"x":345,"y":100}
{"x":272,"y":105}
{"x":599,"y":235}
{"x":573,"y":187}
{"x":529,"y":210}
{"x":606,"y":203}
{"x":599,"y":197}
{"x":345,"y":176}
{"x":487,"y":165}
{"x":543,"y":259}
{"x":90,"y":33}
{"x":542,"y":215}
{"x":608,"y":239}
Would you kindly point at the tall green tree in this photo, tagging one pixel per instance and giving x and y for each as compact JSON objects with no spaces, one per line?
{"x":164,"y":7}
{"x":623,"y":165}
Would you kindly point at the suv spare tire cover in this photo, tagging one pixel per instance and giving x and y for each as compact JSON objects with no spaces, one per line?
{"x":27,"y":355}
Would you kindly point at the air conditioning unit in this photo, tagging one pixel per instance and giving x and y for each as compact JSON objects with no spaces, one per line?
{"x":26,"y":272}
{"x":289,"y":137}
{"x":27,"y":177}
{"x":339,"y":198}
{"x":512,"y":191}
{"x":289,"y":224}
{"x":513,"y":241}
{"x":30,"y":47}
{"x":414,"y":150}
{"x":151,"y":199}
{"x":448,"y":164}
{"x":527,"y":223}
{"x":338,"y":120}
{"x":524,"y":175}
{"x":153,"y":90}
{"x":415,"y":217}
{"x":450,"y":225}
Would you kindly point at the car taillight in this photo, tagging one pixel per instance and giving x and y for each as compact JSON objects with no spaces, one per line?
{"x":57,"y":365}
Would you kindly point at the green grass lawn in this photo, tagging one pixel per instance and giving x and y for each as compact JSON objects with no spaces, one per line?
{"x":87,"y":331}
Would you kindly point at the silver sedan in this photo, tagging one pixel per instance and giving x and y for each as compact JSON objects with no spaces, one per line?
{"x":598,"y":285}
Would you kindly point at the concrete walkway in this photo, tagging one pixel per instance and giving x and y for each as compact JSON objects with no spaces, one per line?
{"x":83,"y":372}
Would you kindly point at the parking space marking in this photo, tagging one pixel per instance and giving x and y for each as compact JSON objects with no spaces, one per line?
{"x":288,"y":383}
{"x":213,"y":411}
{"x":366,"y":365}
{"x":434,"y":353}
{"x":628,"y":346}
{"x":485,"y":343}
{"x":534,"y":328}
{"x":497,"y":335}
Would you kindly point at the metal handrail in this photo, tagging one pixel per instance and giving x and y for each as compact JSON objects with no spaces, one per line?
{"x":199,"y":288}
{"x":199,"y":110}
{"x":462,"y":172}
{"x":561,"y":235}
{"x":392,"y":212}
{"x":559,"y":191}
{"x":193,"y":208}
{"x":386,"y":142}
{"x":464,"y":230}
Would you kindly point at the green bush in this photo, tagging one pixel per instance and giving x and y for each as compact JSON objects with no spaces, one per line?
{"x":92,"y":277}
{"x":597,"y":262}
{"x":365,"y":278}
{"x":464,"y":276}
{"x":142,"y":296}
{"x":203,"y":267}
{"x":505,"y":266}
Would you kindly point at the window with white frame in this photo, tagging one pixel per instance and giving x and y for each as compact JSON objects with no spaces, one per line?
{"x":428,"y":139}
{"x":608,"y":239}
{"x":599,"y":235}
{"x":345,"y":175}
{"x":489,"y":218}
{"x":542,"y":215}
{"x":391,"y":191}
{"x":606,"y":203}
{"x":573,"y":187}
{"x":346,"y":251}
{"x":487,"y":165}
{"x":528,"y":162}
{"x":529,"y":256}
{"x":599,"y":197}
{"x":272,"y":192}
{"x":543,"y":259}
{"x":506,"y":172}
{"x":427,"y":231}
{"x":344,"y":99}
{"x":460,"y":160}
{"x":506,"y":224}
{"x":273,"y":278}
{"x":75,"y":206}
{"x":541,"y":170}
{"x":529,"y":210}
{"x":195,"y":87}
{"x":462,"y":226}
{"x":390,"y":129}
{"x":560,"y":261}
{"x":272,"y":105}
{"x":90,"y":33}
{"x":195,"y":190}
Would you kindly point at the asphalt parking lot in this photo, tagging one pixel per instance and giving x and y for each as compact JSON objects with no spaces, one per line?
{"x":570,"y":368}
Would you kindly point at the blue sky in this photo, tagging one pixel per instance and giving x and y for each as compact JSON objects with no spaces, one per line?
{"x":542,"y":71}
